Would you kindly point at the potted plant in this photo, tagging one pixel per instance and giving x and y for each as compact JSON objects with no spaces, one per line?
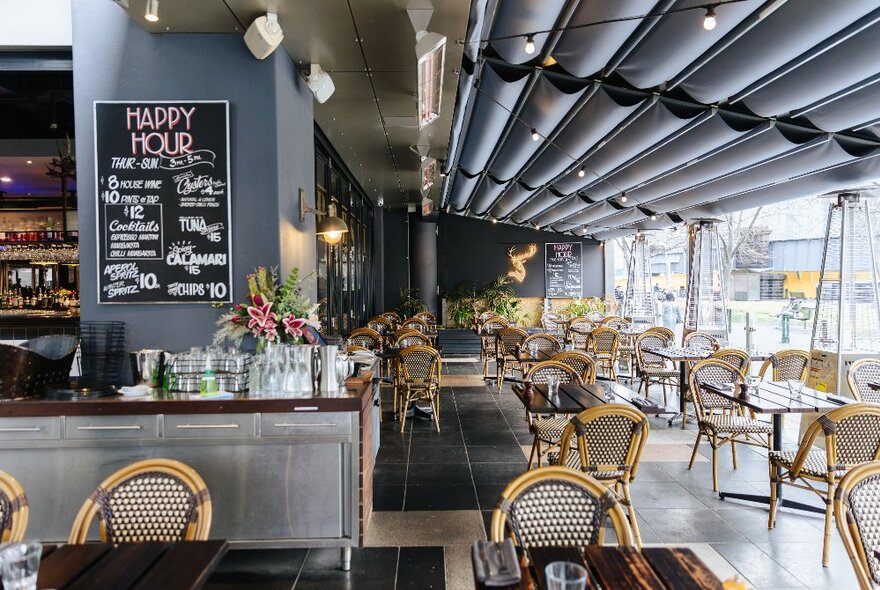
{"x":461,"y":305}
{"x":410,"y":303}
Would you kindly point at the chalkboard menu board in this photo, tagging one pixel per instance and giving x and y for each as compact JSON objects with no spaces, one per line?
{"x":563,"y":276}
{"x":163,"y":202}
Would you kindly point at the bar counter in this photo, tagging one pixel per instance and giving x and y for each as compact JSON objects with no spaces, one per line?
{"x":282,"y":471}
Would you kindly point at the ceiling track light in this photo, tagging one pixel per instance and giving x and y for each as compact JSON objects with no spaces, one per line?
{"x":535,"y":135}
{"x":152,"y":11}
{"x":710,"y":20}
{"x":653,"y":217}
{"x":581,"y":172}
{"x":623,"y":197}
{"x":530,"y":44}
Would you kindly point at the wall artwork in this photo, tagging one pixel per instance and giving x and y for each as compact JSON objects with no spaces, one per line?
{"x":518,"y":259}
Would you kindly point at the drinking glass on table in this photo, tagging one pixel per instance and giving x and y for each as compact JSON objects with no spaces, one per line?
{"x":565,"y":575}
{"x":19,"y":563}
{"x":552,"y":386}
{"x":795,"y":389}
{"x":533,"y":349}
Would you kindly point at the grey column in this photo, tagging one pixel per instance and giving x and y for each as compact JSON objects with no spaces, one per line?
{"x":423,"y":260}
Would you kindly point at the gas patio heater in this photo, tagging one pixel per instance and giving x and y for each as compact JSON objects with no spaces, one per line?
{"x":706,"y":309}
{"x":638,"y":300}
{"x":846,"y":325}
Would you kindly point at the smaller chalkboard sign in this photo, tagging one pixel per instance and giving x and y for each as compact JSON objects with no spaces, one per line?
{"x":563,"y":273}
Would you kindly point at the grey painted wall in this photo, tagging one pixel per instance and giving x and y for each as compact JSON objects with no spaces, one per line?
{"x":271,"y":147}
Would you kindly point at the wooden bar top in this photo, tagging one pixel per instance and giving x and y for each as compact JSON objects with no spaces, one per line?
{"x":165,"y":402}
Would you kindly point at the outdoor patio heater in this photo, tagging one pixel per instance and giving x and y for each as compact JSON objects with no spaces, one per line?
{"x":638,"y":300}
{"x":706,"y":309}
{"x":846,"y":326}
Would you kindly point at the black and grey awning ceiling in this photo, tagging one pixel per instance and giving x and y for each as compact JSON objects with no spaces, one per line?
{"x":643,"y":122}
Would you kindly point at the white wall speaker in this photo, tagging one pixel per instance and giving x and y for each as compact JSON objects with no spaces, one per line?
{"x":264,"y":35}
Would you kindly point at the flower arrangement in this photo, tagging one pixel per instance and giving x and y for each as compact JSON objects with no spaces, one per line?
{"x":274,"y":312}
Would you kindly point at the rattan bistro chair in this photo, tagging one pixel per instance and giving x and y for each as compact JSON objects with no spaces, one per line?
{"x":852,"y":437}
{"x":507,"y":340}
{"x":411,"y":338}
{"x":625,"y":350}
{"x":578,"y":333}
{"x":604,"y":343}
{"x":547,"y":430}
{"x":13,"y":509}
{"x":418,"y":375}
{"x":582,"y":363}
{"x":488,"y":330}
{"x":861,"y":373}
{"x":716,"y":419}
{"x":369,"y":339}
{"x":856,"y":506}
{"x":541,"y":341}
{"x":427,"y":317}
{"x":416,"y":323}
{"x":700,"y":340}
{"x":382,"y":325}
{"x":606,"y":442}
{"x":654,"y":370}
{"x":787,"y":365}
{"x":155,"y":500}
{"x":736,"y":357}
{"x":662,"y":330}
{"x":550,"y":324}
{"x":557,"y":506}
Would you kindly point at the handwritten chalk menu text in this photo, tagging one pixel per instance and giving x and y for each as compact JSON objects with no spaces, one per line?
{"x":562,"y":270}
{"x":163,"y":202}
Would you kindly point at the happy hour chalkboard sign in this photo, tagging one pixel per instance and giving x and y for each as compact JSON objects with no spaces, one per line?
{"x":163,"y":202}
{"x":562,"y":270}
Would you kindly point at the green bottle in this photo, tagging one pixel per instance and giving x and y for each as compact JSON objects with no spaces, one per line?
{"x":209,"y":379}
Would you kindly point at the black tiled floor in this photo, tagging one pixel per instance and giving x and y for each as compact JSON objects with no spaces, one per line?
{"x":421,"y":568}
{"x":440,"y":497}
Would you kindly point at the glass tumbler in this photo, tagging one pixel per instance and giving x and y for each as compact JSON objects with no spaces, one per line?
{"x":19,"y":563}
{"x":565,"y":575}
{"x":552,"y":386}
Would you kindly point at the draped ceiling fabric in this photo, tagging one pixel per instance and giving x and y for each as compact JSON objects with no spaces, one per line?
{"x":655,"y":116}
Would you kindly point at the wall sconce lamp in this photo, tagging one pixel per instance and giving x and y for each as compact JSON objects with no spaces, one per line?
{"x":330,"y":228}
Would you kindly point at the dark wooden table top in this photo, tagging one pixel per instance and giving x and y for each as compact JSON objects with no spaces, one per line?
{"x":574,"y":399}
{"x":680,"y":353}
{"x":623,"y":568}
{"x":773,"y":397}
{"x":141,"y":566}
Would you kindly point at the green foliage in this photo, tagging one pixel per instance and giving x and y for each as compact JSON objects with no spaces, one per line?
{"x":410,"y":303}
{"x":582,"y":307}
{"x":461,"y":304}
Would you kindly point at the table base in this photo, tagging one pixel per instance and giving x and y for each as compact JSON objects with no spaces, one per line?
{"x":780,"y":502}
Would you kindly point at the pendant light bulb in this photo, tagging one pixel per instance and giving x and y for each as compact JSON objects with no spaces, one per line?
{"x":535,"y":135}
{"x":623,"y":198}
{"x":152,"y":12}
{"x":581,"y":172}
{"x":530,"y":45}
{"x":710,"y":20}
{"x":653,"y":217}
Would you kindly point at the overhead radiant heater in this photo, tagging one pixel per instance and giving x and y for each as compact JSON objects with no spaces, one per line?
{"x":706,"y":309}
{"x":846,"y":326}
{"x":638,"y":300}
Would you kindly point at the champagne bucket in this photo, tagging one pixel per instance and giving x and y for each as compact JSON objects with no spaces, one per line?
{"x":147,"y":366}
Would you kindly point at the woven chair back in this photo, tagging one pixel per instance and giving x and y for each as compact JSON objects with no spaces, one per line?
{"x":616,"y":322}
{"x":156,"y":500}
{"x":369,"y":339}
{"x":540,"y":373}
{"x":787,"y":365}
{"x":604,"y":341}
{"x":13,"y":509}
{"x":419,"y":364}
{"x":666,"y":332}
{"x":542,"y":342}
{"x":481,"y":319}
{"x":507,"y":339}
{"x":427,"y":317}
{"x":856,"y":506}
{"x":608,"y":439}
{"x":852,"y":436}
{"x":701,"y":340}
{"x":861,"y":374}
{"x":412,"y":339}
{"x":736,"y":357}
{"x":381,"y":325}
{"x":494,"y":324}
{"x":645,"y":359}
{"x":711,"y":371}
{"x":556,"y":506}
{"x":416,"y":324}
{"x":582,"y":363}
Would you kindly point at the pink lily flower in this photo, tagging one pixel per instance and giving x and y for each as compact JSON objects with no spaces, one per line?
{"x":293,"y":326}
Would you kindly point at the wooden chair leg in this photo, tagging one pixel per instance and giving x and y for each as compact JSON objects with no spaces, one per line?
{"x":829,"y":512}
{"x":435,"y":403}
{"x":499,"y":373}
{"x":632,"y":517}
{"x":771,"y":519}
{"x":733,"y":452}
{"x":694,"y":453}
{"x":536,"y":452}
{"x":714,"y":441}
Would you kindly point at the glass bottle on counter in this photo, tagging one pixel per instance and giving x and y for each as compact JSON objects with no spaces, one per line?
{"x":209,"y":379}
